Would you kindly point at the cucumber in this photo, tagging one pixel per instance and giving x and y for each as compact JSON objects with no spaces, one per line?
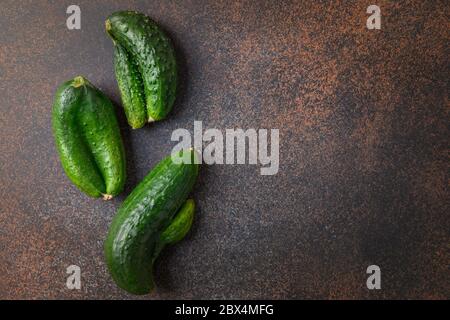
{"x":149,"y":48}
{"x":139,"y":230}
{"x":88,"y":139}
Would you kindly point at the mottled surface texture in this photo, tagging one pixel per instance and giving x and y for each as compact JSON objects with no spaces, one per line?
{"x":364,"y":128}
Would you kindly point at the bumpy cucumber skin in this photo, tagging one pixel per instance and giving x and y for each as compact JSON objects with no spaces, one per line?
{"x":134,"y":238}
{"x":131,"y":87}
{"x":88,"y":139}
{"x":154,"y":55}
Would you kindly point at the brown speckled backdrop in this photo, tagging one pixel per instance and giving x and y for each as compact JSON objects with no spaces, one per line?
{"x":364,"y":128}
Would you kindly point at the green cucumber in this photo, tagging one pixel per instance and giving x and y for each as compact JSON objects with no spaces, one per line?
{"x":149,"y":48}
{"x":148,"y":220}
{"x":88,"y":139}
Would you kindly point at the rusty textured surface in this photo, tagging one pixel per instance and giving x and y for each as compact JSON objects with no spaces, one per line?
{"x":363,"y":118}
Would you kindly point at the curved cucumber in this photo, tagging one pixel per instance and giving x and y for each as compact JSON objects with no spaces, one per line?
{"x":135,"y":237}
{"x":88,"y":139}
{"x":152,"y":52}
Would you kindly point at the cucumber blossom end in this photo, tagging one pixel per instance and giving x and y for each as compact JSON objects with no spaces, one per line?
{"x":79,"y":81}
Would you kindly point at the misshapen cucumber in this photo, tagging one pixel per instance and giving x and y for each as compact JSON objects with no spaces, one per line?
{"x":152,"y":52}
{"x":88,"y":139}
{"x":148,"y":220}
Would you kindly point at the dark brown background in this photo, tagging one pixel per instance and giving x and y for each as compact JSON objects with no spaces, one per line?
{"x":363,"y":119}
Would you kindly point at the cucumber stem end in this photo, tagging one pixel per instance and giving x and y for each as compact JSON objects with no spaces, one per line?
{"x":107,"y":197}
{"x":107,"y":25}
